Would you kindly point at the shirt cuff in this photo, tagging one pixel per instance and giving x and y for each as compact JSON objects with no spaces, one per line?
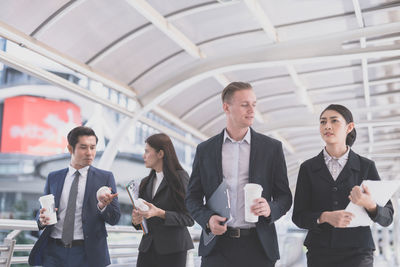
{"x":101,"y":210}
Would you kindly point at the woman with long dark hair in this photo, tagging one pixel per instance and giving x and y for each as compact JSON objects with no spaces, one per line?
{"x":325,"y":186}
{"x":168,"y":239}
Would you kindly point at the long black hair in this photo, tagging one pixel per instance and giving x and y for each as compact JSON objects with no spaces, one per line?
{"x":346,"y":113}
{"x":171,"y":166}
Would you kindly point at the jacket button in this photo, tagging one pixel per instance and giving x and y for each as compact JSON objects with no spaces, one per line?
{"x":335,"y":202}
{"x":334,"y":189}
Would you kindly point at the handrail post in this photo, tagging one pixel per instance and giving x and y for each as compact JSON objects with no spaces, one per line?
{"x":7,"y":254}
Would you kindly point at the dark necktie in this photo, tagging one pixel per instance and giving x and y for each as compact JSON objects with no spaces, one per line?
{"x":69,"y":220}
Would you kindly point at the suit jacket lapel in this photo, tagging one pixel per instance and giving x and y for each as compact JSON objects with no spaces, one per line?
{"x":319,"y":166}
{"x":253,"y":153}
{"x":149,"y":189}
{"x":161,"y":187}
{"x":60,"y":185}
{"x":353,"y":163}
{"x":88,"y":188}
{"x":218,"y":156}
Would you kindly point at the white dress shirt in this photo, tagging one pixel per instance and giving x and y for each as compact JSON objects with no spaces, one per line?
{"x":336,"y":165}
{"x":235,"y":169}
{"x":62,"y":209}
{"x":157,"y":182}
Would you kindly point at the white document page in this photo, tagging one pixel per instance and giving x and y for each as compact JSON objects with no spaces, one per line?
{"x":381,"y":192}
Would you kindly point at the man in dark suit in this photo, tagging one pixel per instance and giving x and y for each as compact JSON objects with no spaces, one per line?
{"x":239,"y":155}
{"x":79,"y":238}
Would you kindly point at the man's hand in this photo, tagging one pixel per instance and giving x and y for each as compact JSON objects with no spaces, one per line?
{"x":337,"y":218}
{"x":105,"y":199}
{"x":43,"y":219}
{"x":136,"y":217}
{"x":261,"y":207}
{"x":217,"y":225}
{"x":363,"y":199}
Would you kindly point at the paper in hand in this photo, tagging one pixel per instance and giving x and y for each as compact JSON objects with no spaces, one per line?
{"x":381,"y":192}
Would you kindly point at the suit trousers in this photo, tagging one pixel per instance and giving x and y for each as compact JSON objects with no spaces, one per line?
{"x":58,"y":256}
{"x":340,"y":257}
{"x":151,"y":258}
{"x":237,"y":252}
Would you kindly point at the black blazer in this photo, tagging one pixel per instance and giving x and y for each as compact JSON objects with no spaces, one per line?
{"x":316,"y":191}
{"x":167,"y":235}
{"x":267,"y":168}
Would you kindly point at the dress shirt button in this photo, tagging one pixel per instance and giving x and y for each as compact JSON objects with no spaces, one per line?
{"x":335,"y":203}
{"x":334,"y":189}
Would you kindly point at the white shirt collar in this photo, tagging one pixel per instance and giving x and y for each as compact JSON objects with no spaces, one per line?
{"x":342,"y":160}
{"x":247,"y":137}
{"x":159,"y":175}
{"x":83,"y":171}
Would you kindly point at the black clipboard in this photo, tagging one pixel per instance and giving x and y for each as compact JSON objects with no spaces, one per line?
{"x":219,"y":202}
{"x":132,"y":190}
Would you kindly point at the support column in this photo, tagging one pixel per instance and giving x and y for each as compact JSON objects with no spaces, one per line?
{"x":111,"y":150}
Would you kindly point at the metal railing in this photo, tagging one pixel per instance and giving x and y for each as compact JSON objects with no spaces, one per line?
{"x":122,"y":253}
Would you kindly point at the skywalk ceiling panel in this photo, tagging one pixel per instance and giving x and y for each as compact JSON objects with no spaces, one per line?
{"x":258,"y":76}
{"x":206,"y":116}
{"x":130,"y":60}
{"x":291,"y":12}
{"x":207,"y":25}
{"x":27,"y":15}
{"x":196,"y":94}
{"x":89,"y":26}
{"x":323,"y":80}
{"x":168,"y":67}
{"x":331,"y":67}
{"x":175,"y":5}
{"x":274,"y":88}
{"x":235,"y":44}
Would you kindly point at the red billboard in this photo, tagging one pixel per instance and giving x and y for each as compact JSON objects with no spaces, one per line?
{"x":37,"y":126}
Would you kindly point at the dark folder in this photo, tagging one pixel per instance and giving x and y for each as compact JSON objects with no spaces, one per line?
{"x":220,"y":204}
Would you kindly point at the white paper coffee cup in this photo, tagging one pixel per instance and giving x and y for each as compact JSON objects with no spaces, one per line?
{"x":47,"y":202}
{"x":251,"y":192}
{"x":102,"y":190}
{"x":140,"y":204}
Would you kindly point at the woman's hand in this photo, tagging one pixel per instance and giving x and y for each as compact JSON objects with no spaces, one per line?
{"x":136,"y":217}
{"x":152,"y":212}
{"x":363,"y":199}
{"x":337,"y":218}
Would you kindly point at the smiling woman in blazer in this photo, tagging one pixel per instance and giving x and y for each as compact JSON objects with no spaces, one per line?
{"x":325,"y":186}
{"x":164,"y":191}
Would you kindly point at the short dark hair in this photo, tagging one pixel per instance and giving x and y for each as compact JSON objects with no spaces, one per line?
{"x":231,"y":88}
{"x":73,"y":135}
{"x":346,"y":113}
